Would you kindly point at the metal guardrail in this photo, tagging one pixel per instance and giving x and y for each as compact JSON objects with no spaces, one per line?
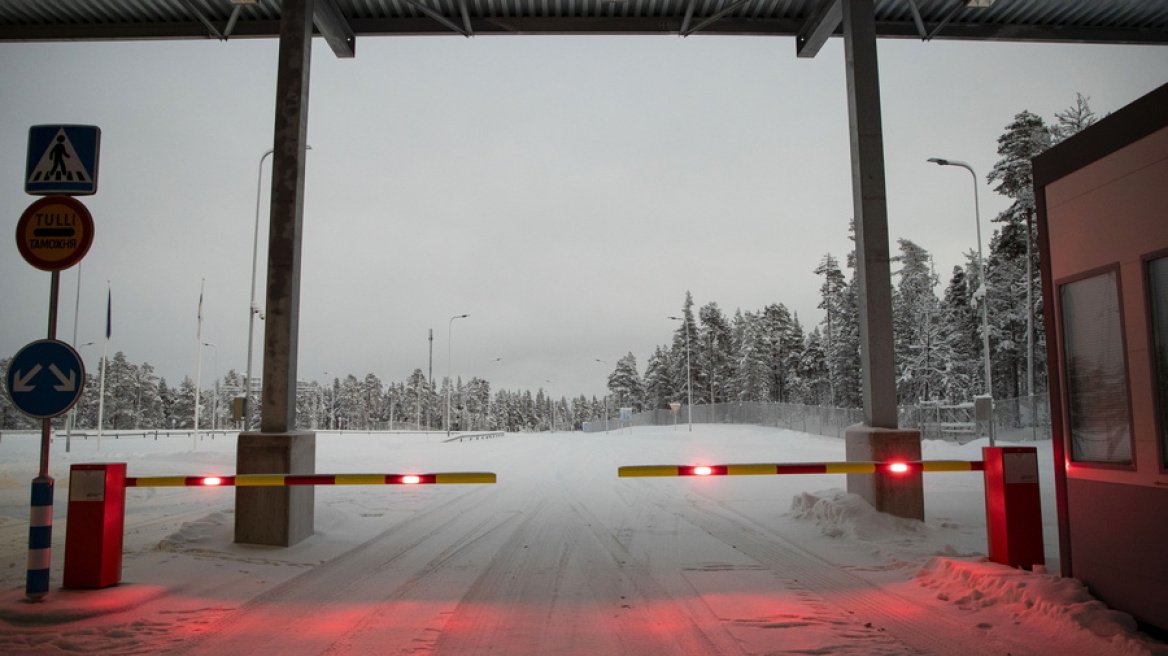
{"x":473,"y":436}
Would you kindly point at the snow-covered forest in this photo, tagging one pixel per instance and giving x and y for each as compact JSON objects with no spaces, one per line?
{"x":759,"y":355}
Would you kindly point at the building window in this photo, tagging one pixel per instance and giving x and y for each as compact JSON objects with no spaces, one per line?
{"x":1158,"y":307}
{"x":1097,"y":391}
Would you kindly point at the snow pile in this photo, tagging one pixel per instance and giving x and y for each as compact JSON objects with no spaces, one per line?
{"x":199,"y":536}
{"x":1033,"y":598}
{"x":998,"y":594}
{"x":841,"y":514}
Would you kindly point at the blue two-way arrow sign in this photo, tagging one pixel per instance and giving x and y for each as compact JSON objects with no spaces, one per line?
{"x":45,"y":379}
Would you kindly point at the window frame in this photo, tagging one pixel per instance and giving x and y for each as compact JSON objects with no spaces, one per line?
{"x":1067,"y":386}
{"x":1158,"y":373}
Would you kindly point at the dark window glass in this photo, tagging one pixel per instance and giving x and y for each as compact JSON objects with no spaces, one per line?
{"x":1097,"y":393}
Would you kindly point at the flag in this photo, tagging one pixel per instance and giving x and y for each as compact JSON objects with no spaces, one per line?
{"x":109,"y":312}
{"x":200,"y":329}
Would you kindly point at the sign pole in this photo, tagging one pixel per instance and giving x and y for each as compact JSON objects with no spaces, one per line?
{"x":46,"y":378}
{"x":40,"y":524}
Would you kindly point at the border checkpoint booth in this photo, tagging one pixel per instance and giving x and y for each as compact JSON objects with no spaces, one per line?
{"x":1102,"y":206}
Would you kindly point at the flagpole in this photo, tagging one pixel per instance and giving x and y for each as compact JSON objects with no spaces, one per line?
{"x":109,"y":306}
{"x":72,"y":418}
{"x":198,"y":366}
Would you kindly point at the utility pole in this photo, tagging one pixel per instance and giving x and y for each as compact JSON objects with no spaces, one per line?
{"x":430,"y":374}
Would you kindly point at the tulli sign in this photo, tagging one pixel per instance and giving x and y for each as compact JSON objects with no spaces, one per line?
{"x":54,"y":233}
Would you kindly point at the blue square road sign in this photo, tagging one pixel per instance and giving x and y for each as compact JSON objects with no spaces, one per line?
{"x":62,"y":160}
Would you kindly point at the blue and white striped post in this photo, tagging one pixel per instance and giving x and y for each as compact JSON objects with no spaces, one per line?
{"x":40,"y":538}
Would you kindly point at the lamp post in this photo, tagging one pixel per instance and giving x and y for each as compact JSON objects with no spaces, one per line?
{"x":605,"y":363}
{"x":449,"y":374}
{"x":984,"y":291}
{"x":688,"y":372}
{"x":253,"y":309}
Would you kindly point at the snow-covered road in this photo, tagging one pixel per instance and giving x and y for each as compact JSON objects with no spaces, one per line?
{"x":559,"y":557}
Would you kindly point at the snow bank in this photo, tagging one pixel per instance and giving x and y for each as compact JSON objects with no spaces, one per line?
{"x":1033,"y":598}
{"x":1039,"y":599}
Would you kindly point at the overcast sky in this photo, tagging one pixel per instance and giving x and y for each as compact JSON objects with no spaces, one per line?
{"x":565,"y":192}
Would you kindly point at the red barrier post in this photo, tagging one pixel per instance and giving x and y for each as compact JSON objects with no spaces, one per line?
{"x":1013,"y":506}
{"x":96,"y":522}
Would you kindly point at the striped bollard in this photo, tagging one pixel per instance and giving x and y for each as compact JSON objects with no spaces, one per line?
{"x":40,"y":539}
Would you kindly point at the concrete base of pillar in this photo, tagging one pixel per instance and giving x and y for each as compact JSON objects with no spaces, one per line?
{"x":277,"y":516}
{"x":896,"y":494}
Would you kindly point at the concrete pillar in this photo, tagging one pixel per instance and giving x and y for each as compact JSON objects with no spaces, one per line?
{"x":896,"y":494}
{"x":282,"y":516}
{"x":878,"y":438}
{"x":279,"y":516}
{"x":870,"y":205}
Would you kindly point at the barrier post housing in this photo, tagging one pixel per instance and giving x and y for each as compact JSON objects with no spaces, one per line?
{"x":96,"y":523}
{"x":1013,"y":506}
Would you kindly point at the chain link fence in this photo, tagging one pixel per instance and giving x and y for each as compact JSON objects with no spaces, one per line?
{"x":1015,"y":420}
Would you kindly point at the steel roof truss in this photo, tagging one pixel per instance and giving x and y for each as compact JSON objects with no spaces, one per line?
{"x":334,"y":28}
{"x":689,"y":10}
{"x":440,"y":18}
{"x":945,"y":21}
{"x":194,"y":11}
{"x":716,"y":17}
{"x":920,"y":22}
{"x":818,"y":29}
{"x":465,"y":18}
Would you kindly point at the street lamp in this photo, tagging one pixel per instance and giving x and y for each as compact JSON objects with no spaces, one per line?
{"x":605,"y":363}
{"x":449,"y":375}
{"x":984,"y":291}
{"x":688,"y":371}
{"x":253,"y":309}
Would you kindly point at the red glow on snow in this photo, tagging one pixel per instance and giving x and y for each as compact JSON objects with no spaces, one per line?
{"x":411,"y":479}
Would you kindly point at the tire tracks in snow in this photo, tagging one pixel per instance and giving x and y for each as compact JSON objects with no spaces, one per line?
{"x":565,"y":583}
{"x":331,"y":608}
{"x":921,"y":628}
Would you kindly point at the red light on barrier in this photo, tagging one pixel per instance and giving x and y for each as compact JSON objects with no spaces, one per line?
{"x":411,"y":479}
{"x":702,"y":470}
{"x":211,"y":481}
{"x":898,"y":467}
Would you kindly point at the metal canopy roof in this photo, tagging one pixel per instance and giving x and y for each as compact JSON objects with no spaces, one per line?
{"x":340,"y":21}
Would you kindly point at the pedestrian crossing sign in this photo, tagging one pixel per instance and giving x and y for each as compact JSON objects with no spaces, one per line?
{"x":62,"y":160}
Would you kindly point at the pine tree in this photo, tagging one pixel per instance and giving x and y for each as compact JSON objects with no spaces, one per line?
{"x":624,"y":383}
{"x":1073,"y":120}
{"x":753,"y":371}
{"x":715,"y":343}
{"x":960,"y":341}
{"x":683,"y":353}
{"x":1025,"y":138}
{"x":914,"y":318}
{"x":841,"y":333}
{"x":659,"y":385}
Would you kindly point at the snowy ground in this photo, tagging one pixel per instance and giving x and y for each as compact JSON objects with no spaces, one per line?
{"x":559,"y":557}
